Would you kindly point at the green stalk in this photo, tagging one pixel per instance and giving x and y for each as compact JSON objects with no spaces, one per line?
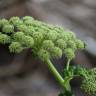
{"x":68,"y":63}
{"x":55,"y":72}
{"x":65,"y":83}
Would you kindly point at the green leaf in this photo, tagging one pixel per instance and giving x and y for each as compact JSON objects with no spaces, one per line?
{"x":81,"y":71}
{"x":69,"y":72}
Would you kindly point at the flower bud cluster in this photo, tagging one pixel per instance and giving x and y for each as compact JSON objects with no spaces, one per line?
{"x":45,"y":40}
{"x":89,"y":86}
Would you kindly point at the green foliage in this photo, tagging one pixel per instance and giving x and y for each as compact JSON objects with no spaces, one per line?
{"x":69,"y":73}
{"x":88,"y":77}
{"x":81,"y":71}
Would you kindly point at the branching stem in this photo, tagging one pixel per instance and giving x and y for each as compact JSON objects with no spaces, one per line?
{"x":65,"y":83}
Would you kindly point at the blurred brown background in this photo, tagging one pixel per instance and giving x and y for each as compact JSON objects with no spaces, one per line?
{"x":20,"y":75}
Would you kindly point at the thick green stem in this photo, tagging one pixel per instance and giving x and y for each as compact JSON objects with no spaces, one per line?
{"x":68,"y":63}
{"x":65,"y":83}
{"x":55,"y":72}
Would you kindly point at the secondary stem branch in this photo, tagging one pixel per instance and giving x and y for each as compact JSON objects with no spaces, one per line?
{"x":68,"y":63}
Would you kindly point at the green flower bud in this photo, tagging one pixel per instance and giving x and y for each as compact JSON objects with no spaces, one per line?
{"x":89,"y":86}
{"x":80,"y":44}
{"x":71,"y":44}
{"x":61,"y":44}
{"x":45,"y":29}
{"x":36,"y":29}
{"x":15,"y":47}
{"x":22,"y":28}
{"x":52,"y":35}
{"x":40,"y":30}
{"x":27,"y":18}
{"x":63,"y":36}
{"x":37,"y":23}
{"x":67,"y":35}
{"x":58,"y":29}
{"x":12,"y":19}
{"x":3,"y":22}
{"x":70,"y":34}
{"x":4,"y":38}
{"x":29,"y":22}
{"x":29,"y":31}
{"x":28,"y":41}
{"x":38,"y":37}
{"x":43,"y":54}
{"x":44,"y":24}
{"x":17,"y":22}
{"x":8,"y":28}
{"x":44,"y":34}
{"x":18,"y":36}
{"x":93,"y":71}
{"x":47,"y":45}
{"x":50,"y":27}
{"x":69,"y":53}
{"x":56,"y":52}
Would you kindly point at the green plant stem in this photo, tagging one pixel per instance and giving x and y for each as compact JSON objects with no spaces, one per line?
{"x":68,"y":63}
{"x":55,"y":72}
{"x":65,"y":83}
